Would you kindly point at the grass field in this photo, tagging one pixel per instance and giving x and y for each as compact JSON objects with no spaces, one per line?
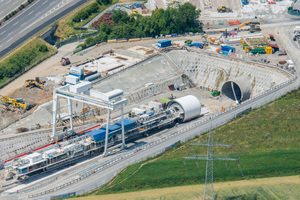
{"x":266,"y":140}
{"x":26,"y":49}
{"x":276,"y":188}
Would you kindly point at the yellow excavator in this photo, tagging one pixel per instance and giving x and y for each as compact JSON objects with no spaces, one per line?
{"x":224,"y":9}
{"x":16,"y":103}
{"x":35,"y":83}
{"x":213,"y":41}
{"x":254,"y":26}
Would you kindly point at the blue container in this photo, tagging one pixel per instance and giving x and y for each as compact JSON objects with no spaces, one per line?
{"x":164,"y":43}
{"x":137,"y":5}
{"x":220,"y":23}
{"x":228,"y":48}
{"x":128,"y":124}
{"x":150,"y":114}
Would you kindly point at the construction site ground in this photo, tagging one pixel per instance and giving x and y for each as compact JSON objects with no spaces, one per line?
{"x":53,"y":67}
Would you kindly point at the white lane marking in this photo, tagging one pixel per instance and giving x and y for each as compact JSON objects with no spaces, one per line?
{"x":44,"y":2}
{"x":37,"y":13}
{"x":30,"y":13}
{"x":2,"y":32}
{"x":16,"y":23}
{"x":10,"y":39}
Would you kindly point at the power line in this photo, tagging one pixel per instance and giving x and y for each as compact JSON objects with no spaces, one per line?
{"x":209,"y":189}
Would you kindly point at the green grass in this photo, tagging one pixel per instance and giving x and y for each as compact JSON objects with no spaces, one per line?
{"x":26,"y":57}
{"x":66,"y":26}
{"x":265,"y":139}
{"x":174,"y":172}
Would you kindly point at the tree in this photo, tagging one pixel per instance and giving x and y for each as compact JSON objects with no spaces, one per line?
{"x":104,"y":2}
{"x":120,"y":16}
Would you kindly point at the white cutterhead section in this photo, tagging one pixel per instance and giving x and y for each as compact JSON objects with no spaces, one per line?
{"x":189,"y":106}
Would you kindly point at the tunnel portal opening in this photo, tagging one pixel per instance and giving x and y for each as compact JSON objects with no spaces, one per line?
{"x":232,"y":91}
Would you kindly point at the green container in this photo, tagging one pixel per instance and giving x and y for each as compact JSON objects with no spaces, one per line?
{"x":165,"y":100}
{"x":260,"y":50}
{"x":215,"y":93}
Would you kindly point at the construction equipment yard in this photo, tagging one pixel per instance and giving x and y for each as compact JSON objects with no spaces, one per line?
{"x":225,"y":68}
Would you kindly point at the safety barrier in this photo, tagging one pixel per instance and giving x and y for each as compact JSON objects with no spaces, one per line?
{"x":195,"y":124}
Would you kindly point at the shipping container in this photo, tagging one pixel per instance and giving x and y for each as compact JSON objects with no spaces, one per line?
{"x":164,"y":43}
{"x":137,"y":5}
{"x":228,"y":48}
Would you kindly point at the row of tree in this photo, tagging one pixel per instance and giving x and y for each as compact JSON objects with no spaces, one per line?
{"x":21,"y":60}
{"x":175,"y":19}
{"x":93,"y":8}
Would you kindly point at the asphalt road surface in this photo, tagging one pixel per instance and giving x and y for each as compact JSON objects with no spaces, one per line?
{"x":6,"y":6}
{"x":36,"y":17}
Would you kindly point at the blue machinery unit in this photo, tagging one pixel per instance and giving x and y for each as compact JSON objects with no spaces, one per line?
{"x":178,"y":110}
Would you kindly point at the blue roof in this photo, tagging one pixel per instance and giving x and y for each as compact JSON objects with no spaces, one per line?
{"x":163,"y":41}
{"x":98,"y":134}
{"x":126,"y":122}
{"x":112,"y":127}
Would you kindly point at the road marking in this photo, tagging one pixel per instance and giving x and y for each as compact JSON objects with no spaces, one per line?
{"x":16,"y":23}
{"x":2,"y":32}
{"x":10,"y":39}
{"x":38,"y":13}
{"x":44,"y":2}
{"x":30,"y":13}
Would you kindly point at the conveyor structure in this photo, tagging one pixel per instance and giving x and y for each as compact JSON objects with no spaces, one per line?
{"x":140,"y":122}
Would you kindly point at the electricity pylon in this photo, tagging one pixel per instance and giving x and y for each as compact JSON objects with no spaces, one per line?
{"x":209,"y":188}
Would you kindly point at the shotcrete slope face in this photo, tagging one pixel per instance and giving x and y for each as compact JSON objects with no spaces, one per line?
{"x":154,"y":70}
{"x":221,"y":73}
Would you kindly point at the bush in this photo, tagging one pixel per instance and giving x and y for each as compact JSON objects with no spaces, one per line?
{"x":104,"y":2}
{"x":27,"y":57}
{"x":84,"y":14}
{"x":42,"y":48}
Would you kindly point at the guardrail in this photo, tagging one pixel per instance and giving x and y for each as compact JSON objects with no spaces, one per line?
{"x":193,"y":125}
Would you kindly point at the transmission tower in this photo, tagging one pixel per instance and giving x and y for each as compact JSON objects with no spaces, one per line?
{"x":209,"y":188}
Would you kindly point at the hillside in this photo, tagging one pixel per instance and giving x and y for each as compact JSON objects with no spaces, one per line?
{"x":265,"y":139}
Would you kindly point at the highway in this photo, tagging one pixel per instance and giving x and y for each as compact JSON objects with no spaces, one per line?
{"x":182,"y":132}
{"x":36,"y":17}
{"x":7,"y":6}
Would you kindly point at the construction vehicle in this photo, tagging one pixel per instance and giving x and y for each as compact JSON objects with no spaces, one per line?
{"x":296,"y":32}
{"x":188,"y":42}
{"x":281,"y":53}
{"x":254,"y":28}
{"x":213,"y":41}
{"x":35,"y":83}
{"x":65,"y":61}
{"x":224,"y":9}
{"x":198,"y":45}
{"x":15,"y":103}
